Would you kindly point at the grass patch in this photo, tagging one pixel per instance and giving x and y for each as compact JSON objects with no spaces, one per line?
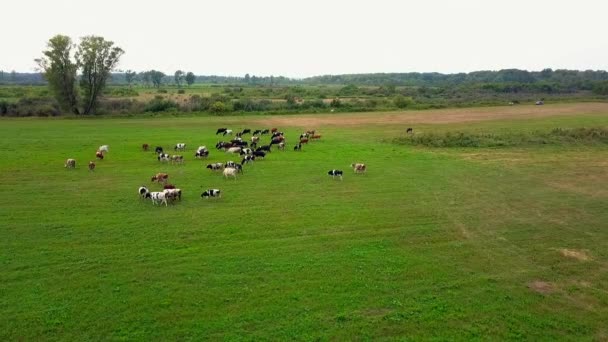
{"x":557,"y":136}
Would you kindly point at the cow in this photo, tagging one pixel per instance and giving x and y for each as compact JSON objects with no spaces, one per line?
{"x":245,"y":131}
{"x":277,"y":134}
{"x":298,"y":147}
{"x":228,"y":131}
{"x":163,"y":157}
{"x":104,"y":148}
{"x":173,"y":194}
{"x":303,"y":141}
{"x":220,"y":130}
{"x":229,"y":164}
{"x":358,"y":167}
{"x":234,"y":150}
{"x":99,"y":155}
{"x":263,"y":148}
{"x":265,"y":131}
{"x":91,"y":166}
{"x":246,"y":151}
{"x":211,"y":193}
{"x":145,"y":147}
{"x":230,"y":172}
{"x":160,"y":178}
{"x":248,"y":159}
{"x":311,"y":132}
{"x":255,"y":139}
{"x":277,"y":140}
{"x":315,"y":136}
{"x":159,"y":197}
{"x":168,"y":186}
{"x":143,"y":191}
{"x":177,"y":159}
{"x":215,"y":166}
{"x":282,"y":146}
{"x":335,"y":173}
{"x":158,"y":149}
{"x":304,"y":135}
{"x":259,"y":154}
{"x":409,"y":130}
{"x":70,"y":164}
{"x":274,"y":130}
{"x":180,"y":147}
{"x":257,"y":131}
{"x":201,"y":154}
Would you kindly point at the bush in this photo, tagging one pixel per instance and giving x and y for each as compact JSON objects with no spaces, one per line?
{"x":157,"y":105}
{"x":181,"y":91}
{"x":162,"y":91}
{"x":218,"y":107}
{"x":403,"y":102}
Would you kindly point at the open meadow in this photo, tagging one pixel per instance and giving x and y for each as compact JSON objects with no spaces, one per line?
{"x":431,"y":243}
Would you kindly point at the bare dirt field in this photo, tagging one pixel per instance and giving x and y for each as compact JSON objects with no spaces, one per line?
{"x":441,"y":116}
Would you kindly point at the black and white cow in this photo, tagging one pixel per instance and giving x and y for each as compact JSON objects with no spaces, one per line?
{"x":263,"y":148}
{"x":211,"y":193}
{"x":158,"y":149}
{"x":164,"y":157}
{"x":230,"y":164}
{"x":215,"y":166}
{"x":143,"y":191}
{"x":220,"y":130}
{"x":257,"y":131}
{"x":298,"y":147}
{"x":265,"y":131}
{"x":245,"y":131}
{"x":246,"y":151}
{"x":259,"y":154}
{"x":228,"y":131}
{"x":180,"y":147}
{"x":201,"y":154}
{"x":248,"y":159}
{"x":335,"y":173}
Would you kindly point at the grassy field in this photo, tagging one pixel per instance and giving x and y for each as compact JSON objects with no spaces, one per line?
{"x":456,"y":244}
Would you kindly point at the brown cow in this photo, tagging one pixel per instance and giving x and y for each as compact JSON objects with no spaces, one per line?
{"x":91,"y":166}
{"x":317,"y":136}
{"x":358,"y":167}
{"x":99,"y":155}
{"x":304,"y":141}
{"x":160,"y":178}
{"x":145,"y":147}
{"x":274,"y":130}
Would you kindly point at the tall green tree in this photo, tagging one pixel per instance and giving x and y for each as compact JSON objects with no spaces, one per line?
{"x":156,"y":77}
{"x":130,"y":76}
{"x":97,"y":58}
{"x":179,"y":77}
{"x":59,"y":70}
{"x":190,"y":78}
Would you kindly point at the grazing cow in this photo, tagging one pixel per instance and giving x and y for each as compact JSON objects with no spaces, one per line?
{"x":335,"y":173}
{"x":211,"y":193}
{"x":70,"y":164}
{"x":274,"y":129}
{"x":304,"y":135}
{"x":160,"y":178}
{"x":143,"y":191}
{"x":277,"y":140}
{"x":201,"y":154}
{"x":238,"y":167}
{"x":180,"y":147}
{"x":240,"y":143}
{"x":158,"y":149}
{"x":234,"y":150}
{"x":298,"y":147}
{"x":248,"y":159}
{"x":265,"y":131}
{"x":230,"y":172}
{"x":257,"y":131}
{"x":99,"y":155}
{"x":229,"y":164}
{"x":282,"y":146}
{"x":221,"y":144}
{"x":236,"y":140}
{"x":317,"y":136}
{"x":263,"y":148}
{"x":259,"y":154}
{"x":409,"y":130}
{"x":104,"y":148}
{"x":245,"y":131}
{"x":312,"y":132}
{"x":228,"y":131}
{"x":358,"y":167}
{"x":168,"y":186}
{"x":202,"y":148}
{"x":246,"y":151}
{"x":163,"y":157}
{"x":173,"y":194}
{"x":91,"y":166}
{"x":215,"y":166}
{"x":220,"y":130}
{"x":177,"y":159}
{"x":145,"y":147}
{"x":304,"y":141}
{"x":157,"y":197}
{"x":277,"y":134}
{"x":255,"y":139}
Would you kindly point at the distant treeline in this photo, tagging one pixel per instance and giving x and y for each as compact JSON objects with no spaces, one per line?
{"x":507,"y":80}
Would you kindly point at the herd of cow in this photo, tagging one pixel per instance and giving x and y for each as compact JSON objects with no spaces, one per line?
{"x":247,"y":151}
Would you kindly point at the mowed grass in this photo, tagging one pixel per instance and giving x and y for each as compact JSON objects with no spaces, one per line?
{"x":429,"y":244}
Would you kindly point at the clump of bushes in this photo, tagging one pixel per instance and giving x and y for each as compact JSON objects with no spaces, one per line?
{"x":181,"y":91}
{"x":161,"y":105}
{"x":29,"y":106}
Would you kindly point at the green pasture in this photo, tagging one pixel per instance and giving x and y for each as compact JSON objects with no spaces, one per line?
{"x":446,"y":244}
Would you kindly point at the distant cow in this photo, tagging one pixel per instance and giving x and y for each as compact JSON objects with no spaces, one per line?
{"x":158,"y":149}
{"x":358,"y":167}
{"x":265,"y":131}
{"x":163,"y":157}
{"x":220,"y":130}
{"x":539,"y":103}
{"x":157,"y":197}
{"x":99,"y":155}
{"x":298,"y":147}
{"x":274,"y":130}
{"x":180,"y":147}
{"x":248,"y":159}
{"x":215,"y":166}
{"x":335,"y":173}
{"x":230,"y":172}
{"x":257,"y":131}
{"x":263,"y":148}
{"x":168,"y":186}
{"x":245,"y":131}
{"x":145,"y":147}
{"x":228,"y":131}
{"x":259,"y":154}
{"x":104,"y":148}
{"x":255,"y":139}
{"x":70,"y":164}
{"x":304,"y":141}
{"x":211,"y":193}
{"x":410,"y":130}
{"x":315,"y":136}
{"x":201,"y":154}
{"x":160,"y":178}
{"x":91,"y":166}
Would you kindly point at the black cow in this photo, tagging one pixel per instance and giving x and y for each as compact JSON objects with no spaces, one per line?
{"x":211,"y":193}
{"x":158,"y":149}
{"x":265,"y":131}
{"x":410,"y":130}
{"x":335,"y":173}
{"x":257,"y":131}
{"x":263,"y":148}
{"x":259,"y":154}
{"x":298,"y":147}
{"x":220,"y":130}
{"x":245,"y":131}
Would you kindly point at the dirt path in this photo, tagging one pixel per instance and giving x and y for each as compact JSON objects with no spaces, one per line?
{"x":440,"y":116}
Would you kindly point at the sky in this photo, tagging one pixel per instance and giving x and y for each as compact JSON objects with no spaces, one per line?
{"x":316,"y":37}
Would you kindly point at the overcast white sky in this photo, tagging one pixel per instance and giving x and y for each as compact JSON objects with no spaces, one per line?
{"x":314,"y":37}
